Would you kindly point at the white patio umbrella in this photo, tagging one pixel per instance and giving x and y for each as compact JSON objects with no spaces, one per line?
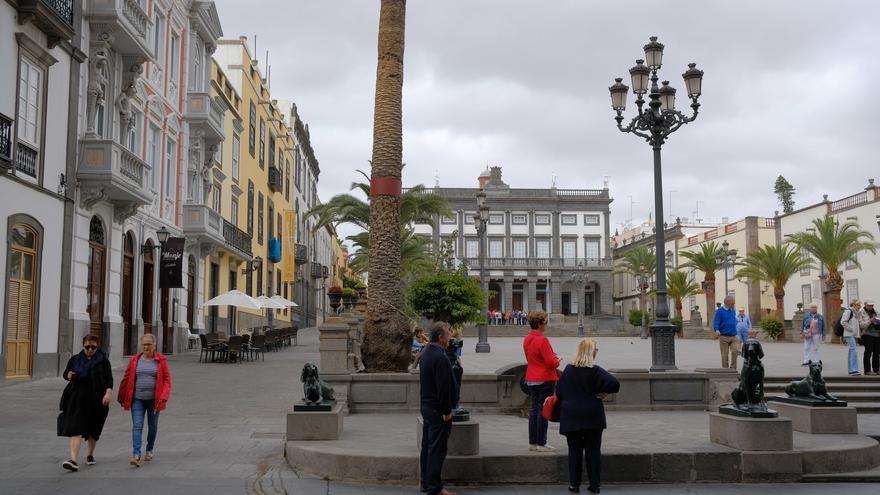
{"x":271,"y":303}
{"x":235,"y":298}
{"x":285,"y":302}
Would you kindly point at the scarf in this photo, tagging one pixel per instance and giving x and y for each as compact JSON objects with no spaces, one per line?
{"x":83,"y":366}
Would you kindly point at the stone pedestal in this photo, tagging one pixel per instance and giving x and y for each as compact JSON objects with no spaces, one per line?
{"x":819,"y":419}
{"x":334,"y":346}
{"x":319,"y":425}
{"x":463,"y":440}
{"x":753,"y":434}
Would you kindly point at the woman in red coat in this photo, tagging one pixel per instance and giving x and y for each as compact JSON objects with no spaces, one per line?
{"x":541,"y":378}
{"x":145,"y":389}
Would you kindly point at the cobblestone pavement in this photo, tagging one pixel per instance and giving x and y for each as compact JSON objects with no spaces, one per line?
{"x":222,"y":433}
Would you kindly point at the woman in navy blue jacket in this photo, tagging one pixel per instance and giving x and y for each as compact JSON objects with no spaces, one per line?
{"x":582,"y":415}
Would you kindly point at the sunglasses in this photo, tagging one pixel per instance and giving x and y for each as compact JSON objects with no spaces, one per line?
{"x":90,"y":347}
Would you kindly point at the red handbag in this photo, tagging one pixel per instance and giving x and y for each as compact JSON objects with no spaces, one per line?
{"x":550,"y":410}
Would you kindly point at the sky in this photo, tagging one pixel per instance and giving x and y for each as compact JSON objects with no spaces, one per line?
{"x":523,"y":84}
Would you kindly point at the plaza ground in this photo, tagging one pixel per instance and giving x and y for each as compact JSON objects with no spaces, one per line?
{"x":223,"y":430}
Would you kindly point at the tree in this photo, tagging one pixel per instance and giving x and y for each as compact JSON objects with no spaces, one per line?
{"x":774,"y":265}
{"x":832,"y":244}
{"x":387,"y":339}
{"x":707,"y":261}
{"x":449,"y":296}
{"x":641,"y":263}
{"x":679,"y":287}
{"x":785,"y":192}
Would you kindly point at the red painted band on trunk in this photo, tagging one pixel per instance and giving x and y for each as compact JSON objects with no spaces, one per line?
{"x":385,"y":186}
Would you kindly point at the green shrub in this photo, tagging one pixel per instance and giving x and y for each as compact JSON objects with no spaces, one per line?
{"x":635,"y":317}
{"x":447,"y":296}
{"x":677,"y":321}
{"x":772,"y":327}
{"x":349,"y":292}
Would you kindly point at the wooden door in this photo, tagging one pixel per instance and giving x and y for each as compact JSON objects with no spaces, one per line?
{"x":20,"y":302}
{"x":127,"y":283}
{"x":96,"y":290}
{"x":147,"y":289}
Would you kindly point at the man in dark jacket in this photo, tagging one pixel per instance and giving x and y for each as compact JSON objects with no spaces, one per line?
{"x":439,"y":392}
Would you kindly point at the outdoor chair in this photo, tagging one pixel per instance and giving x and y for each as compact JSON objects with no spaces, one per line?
{"x":256,"y":346}
{"x":208,"y":347}
{"x":246,"y":344}
{"x":293,"y":331}
{"x":269,"y":343}
{"x":191,"y":339}
{"x":234,"y":348}
{"x":279,"y":338}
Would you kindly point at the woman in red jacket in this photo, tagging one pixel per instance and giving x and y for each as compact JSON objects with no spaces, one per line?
{"x":541,"y":378}
{"x":145,"y":389}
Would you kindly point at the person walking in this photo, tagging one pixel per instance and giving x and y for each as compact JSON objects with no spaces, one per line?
{"x":849,"y":319}
{"x":145,"y":389}
{"x":743,"y":325}
{"x":541,"y":378}
{"x":439,"y":393}
{"x":725,"y":326}
{"x":581,"y":389}
{"x":869,"y":324}
{"x":813,"y":332}
{"x":85,"y":400}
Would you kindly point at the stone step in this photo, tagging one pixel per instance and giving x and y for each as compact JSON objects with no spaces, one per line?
{"x":858,"y":396}
{"x":869,"y":476}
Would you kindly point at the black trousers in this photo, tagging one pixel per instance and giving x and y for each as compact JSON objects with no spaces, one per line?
{"x":581,"y":444}
{"x":435,"y":433}
{"x":871,"y":360}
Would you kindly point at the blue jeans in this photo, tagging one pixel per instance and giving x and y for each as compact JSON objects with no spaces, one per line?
{"x":537,"y":424}
{"x":853,"y":357}
{"x":138,"y":408}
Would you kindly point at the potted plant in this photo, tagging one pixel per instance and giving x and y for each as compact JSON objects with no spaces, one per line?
{"x":349,"y":296}
{"x":335,"y":295}
{"x":772,"y":327}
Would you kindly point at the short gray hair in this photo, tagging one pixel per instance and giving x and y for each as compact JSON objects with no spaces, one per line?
{"x":437,"y":329}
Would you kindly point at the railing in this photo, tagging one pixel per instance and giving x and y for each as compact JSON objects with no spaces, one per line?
{"x":237,"y":238}
{"x":694,"y":239}
{"x":770,"y":223}
{"x":731,"y":228}
{"x":325,"y":271}
{"x":710,"y":234}
{"x":300,"y":253}
{"x":464,"y":192}
{"x":316,"y":270}
{"x":132,"y":167}
{"x":849,"y":202}
{"x":62,"y":8}
{"x":275,"y":179}
{"x":474,"y":263}
{"x":5,"y":138}
{"x":26,"y":159}
{"x":135,"y":14}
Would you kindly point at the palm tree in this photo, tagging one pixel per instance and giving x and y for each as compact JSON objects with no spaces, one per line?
{"x":679,"y":287}
{"x":416,"y":253}
{"x":707,"y":261}
{"x":386,"y":346}
{"x":774,"y":265}
{"x":833,"y":244}
{"x":641,"y":263}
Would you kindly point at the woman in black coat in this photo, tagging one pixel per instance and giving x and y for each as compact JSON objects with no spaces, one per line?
{"x":580,"y":391}
{"x":84,"y":403}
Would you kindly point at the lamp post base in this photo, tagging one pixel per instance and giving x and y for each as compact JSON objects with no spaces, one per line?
{"x":581,"y":332}
{"x":663,"y":346}
{"x":483,"y":339}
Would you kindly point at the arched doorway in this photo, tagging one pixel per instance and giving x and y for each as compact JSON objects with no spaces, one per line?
{"x":97,"y":265}
{"x":494,"y":296}
{"x":21,"y":295}
{"x":129,"y":344}
{"x":147,"y":287}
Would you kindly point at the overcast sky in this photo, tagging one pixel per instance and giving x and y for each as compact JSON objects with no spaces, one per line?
{"x":524,"y":84}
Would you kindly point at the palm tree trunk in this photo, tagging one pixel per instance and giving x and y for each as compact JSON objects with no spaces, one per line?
{"x":386,"y":346}
{"x":833,"y":303}
{"x":678,"y":307}
{"x":710,"y":300}
{"x":779,"y":294}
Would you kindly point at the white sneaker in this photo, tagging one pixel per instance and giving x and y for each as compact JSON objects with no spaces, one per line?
{"x":545,"y":448}
{"x":533,"y":447}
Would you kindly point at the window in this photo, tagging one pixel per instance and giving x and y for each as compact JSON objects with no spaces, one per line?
{"x":198,"y":75}
{"x":236,"y":151}
{"x":806,"y":256}
{"x":170,"y":167}
{"x":218,"y":155}
{"x":591,"y":249}
{"x":569,"y":220}
{"x":569,"y":249}
{"x":851,"y":263}
{"x":806,"y":294}
{"x":30,"y":91}
{"x":262,"y":143}
{"x":172,"y":70}
{"x":542,"y":248}
{"x":271,"y":149}
{"x":250,"y":209}
{"x":252,"y":130}
{"x":260,"y":218}
{"x":260,"y":282}
{"x":154,"y":137}
{"x":215,"y":196}
{"x":519,"y":219}
{"x":472,"y":248}
{"x":496,"y":248}
{"x":132,"y":133}
{"x":496,"y":219}
{"x":450,"y":219}
{"x":278,"y":226}
{"x":233,"y":214}
{"x":591,"y":219}
{"x":692,"y":275}
{"x":249,"y":279}
{"x":271,"y":221}
{"x":287,"y":179}
{"x":159,"y":39}
{"x":469,"y":217}
{"x":852,"y":291}
{"x":519,"y":248}
{"x":296,"y":165}
{"x":542,"y":219}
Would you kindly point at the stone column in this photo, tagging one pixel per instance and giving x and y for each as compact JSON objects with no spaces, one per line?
{"x":554,"y":248}
{"x":607,"y":253}
{"x":335,"y":345}
{"x":531,"y":247}
{"x":531,"y":294}
{"x":754,"y":286}
{"x":460,"y":241}
{"x":555,"y":299}
{"x":508,"y":244}
{"x":507,"y":296}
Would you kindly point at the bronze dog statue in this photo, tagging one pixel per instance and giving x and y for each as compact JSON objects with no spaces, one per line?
{"x":812,"y":386}
{"x":315,"y":390}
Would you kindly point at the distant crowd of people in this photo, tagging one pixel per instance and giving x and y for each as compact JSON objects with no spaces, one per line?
{"x":508,"y":317}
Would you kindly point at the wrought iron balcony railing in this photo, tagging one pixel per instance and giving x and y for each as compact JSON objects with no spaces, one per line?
{"x":300,"y":254}
{"x":276,"y":182}
{"x":316,"y":270}
{"x":26,"y":159}
{"x":237,"y":238}
{"x":5,"y":139}
{"x":539,"y":263}
{"x":53,"y":17}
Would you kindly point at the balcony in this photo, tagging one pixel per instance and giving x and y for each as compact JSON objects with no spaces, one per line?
{"x":205,"y":114}
{"x":237,"y":239}
{"x":53,"y":17}
{"x":276,"y":183}
{"x":325,"y":271}
{"x":316,"y":270}
{"x":129,"y":23}
{"x":538,"y":263}
{"x":300,"y":254}
{"x":203,"y":222}
{"x":26,"y":159}
{"x":5,"y":141}
{"x":120,"y":174}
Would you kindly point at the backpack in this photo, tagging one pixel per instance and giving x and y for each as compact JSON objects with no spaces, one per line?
{"x":838,"y":325}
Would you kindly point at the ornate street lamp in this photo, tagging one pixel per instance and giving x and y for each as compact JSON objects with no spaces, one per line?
{"x":580,"y":277}
{"x":726,"y":260}
{"x":655,"y":124}
{"x":481,"y":219}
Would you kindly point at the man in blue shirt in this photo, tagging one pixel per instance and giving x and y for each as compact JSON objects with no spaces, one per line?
{"x":726,"y":332}
{"x":439,"y":394}
{"x":743,"y":325}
